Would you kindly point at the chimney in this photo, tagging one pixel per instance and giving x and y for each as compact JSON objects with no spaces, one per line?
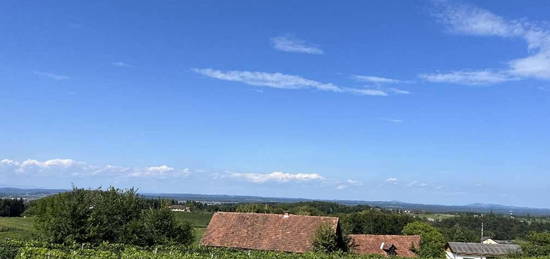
{"x":286,"y":215}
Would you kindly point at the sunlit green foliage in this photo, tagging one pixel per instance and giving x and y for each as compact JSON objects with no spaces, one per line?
{"x":537,"y":244}
{"x":433,"y":242}
{"x":86,"y":216}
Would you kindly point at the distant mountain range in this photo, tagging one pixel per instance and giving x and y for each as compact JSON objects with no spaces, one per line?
{"x":36,"y":193}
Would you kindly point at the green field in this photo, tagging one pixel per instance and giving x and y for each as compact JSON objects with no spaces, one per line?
{"x":16,"y":228}
{"x":199,"y":221}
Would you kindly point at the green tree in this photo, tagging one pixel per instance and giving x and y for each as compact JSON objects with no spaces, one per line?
{"x":161,"y":225}
{"x":375,"y":222}
{"x":329,"y":240}
{"x":306,"y":210}
{"x":458,"y":233}
{"x":433,"y":242}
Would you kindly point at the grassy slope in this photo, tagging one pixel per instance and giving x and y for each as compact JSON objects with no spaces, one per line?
{"x":16,"y":228}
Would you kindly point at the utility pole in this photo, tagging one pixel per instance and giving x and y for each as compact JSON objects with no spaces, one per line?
{"x":481,"y":230}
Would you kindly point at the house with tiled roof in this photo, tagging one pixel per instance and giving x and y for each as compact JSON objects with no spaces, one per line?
{"x":386,"y":245}
{"x":272,"y":232}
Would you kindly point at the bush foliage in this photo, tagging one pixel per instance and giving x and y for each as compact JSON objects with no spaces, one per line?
{"x":327,"y":240}
{"x":96,"y":216}
{"x":537,"y":244}
{"x":433,"y":242}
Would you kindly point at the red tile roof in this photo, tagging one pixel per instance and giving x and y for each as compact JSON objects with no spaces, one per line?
{"x":373,"y":244}
{"x":274,"y":232}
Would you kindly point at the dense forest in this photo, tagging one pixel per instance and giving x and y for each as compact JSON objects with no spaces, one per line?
{"x":12,"y":207}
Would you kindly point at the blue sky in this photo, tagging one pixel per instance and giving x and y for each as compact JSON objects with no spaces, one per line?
{"x":419,"y":101}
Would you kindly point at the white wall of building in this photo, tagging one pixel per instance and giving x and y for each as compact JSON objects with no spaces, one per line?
{"x":451,"y":255}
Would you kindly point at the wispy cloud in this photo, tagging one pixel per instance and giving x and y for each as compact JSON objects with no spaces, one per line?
{"x":471,"y":20}
{"x":121,"y":64}
{"x":290,"y":44}
{"x":277,"y":177}
{"x":51,"y":75}
{"x":377,"y":79}
{"x":469,"y":77}
{"x":283,"y":81}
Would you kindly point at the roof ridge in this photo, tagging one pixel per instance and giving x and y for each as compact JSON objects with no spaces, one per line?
{"x":274,"y":214}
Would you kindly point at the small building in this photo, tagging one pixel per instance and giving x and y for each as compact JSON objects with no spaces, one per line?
{"x":272,"y":232}
{"x":179,"y":207}
{"x":460,"y":250}
{"x":386,"y":245}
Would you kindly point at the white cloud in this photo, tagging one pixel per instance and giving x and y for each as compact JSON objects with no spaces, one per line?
{"x":160,"y":169}
{"x":121,"y":64}
{"x":466,"y":19}
{"x":277,"y":177}
{"x":51,"y":75}
{"x":78,"y":168}
{"x":468,"y":77}
{"x":377,"y":79}
{"x":537,"y":65}
{"x":282,"y":81}
{"x":289,"y":44}
{"x":8,"y":162}
{"x":62,"y":163}
{"x":391,"y":180}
